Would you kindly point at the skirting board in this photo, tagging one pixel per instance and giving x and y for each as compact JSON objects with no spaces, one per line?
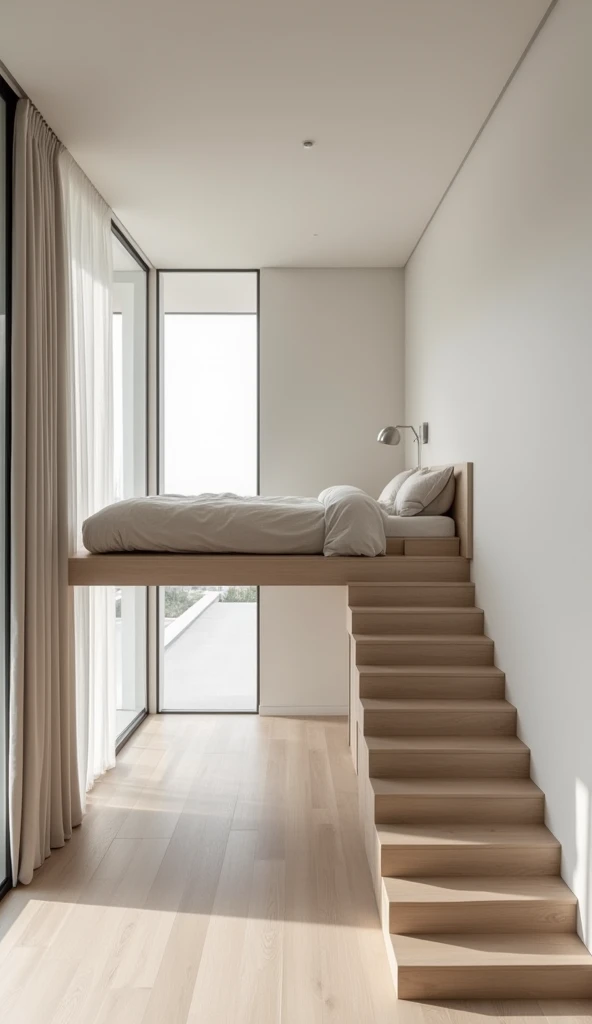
{"x":322,"y":710}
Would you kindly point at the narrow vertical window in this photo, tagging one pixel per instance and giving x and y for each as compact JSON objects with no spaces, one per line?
{"x":209,"y":443}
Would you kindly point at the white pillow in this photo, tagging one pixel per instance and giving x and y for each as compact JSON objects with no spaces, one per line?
{"x":389,"y":493}
{"x":421,"y":492}
{"x":443,"y":503}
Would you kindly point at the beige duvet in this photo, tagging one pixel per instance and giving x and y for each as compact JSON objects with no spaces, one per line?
{"x":343,"y":520}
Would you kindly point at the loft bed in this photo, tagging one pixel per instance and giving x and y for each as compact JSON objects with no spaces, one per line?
{"x":147,"y":569}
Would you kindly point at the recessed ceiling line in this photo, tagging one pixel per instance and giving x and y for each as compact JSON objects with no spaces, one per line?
{"x":532,"y":39}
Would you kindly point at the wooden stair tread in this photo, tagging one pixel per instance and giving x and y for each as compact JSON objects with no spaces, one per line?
{"x":498,"y":836}
{"x":476,"y":744}
{"x":497,"y":704}
{"x":477,"y":889}
{"x":423,"y":638}
{"x":431,"y":670}
{"x":482,"y":788}
{"x":514,"y":950}
{"x":422,"y":558}
{"x":420,"y":583}
{"x":381,"y":609}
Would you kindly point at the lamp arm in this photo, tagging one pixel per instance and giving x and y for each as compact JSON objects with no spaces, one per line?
{"x":407,"y":426}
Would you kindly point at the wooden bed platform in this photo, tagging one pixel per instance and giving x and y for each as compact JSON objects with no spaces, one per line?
{"x":147,"y":569}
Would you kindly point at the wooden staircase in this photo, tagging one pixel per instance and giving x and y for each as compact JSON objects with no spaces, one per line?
{"x":466,"y":874}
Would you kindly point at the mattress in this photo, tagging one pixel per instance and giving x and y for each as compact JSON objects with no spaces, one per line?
{"x":419,"y":526}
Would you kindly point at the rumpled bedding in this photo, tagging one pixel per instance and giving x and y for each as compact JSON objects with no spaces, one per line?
{"x":343,"y":520}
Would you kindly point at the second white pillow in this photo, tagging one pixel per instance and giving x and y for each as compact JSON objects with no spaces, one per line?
{"x":388,"y":495}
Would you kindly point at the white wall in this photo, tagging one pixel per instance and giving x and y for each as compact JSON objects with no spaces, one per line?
{"x":499,"y":360}
{"x":331,"y":375}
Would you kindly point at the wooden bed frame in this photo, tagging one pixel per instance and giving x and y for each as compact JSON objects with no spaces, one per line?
{"x":147,"y":569}
{"x":462,"y":507}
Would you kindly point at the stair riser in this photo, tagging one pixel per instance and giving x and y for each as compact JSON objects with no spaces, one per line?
{"x":404,"y":810}
{"x":418,"y":652}
{"x":412,"y":596}
{"x":520,"y":916}
{"x":495,"y":982}
{"x":428,"y":570}
{"x":396,"y":621}
{"x":431,"y":688}
{"x":419,"y":862}
{"x":453,"y":765}
{"x":439,"y":723}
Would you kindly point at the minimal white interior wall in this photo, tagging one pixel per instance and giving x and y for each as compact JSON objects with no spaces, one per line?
{"x":499,"y":360}
{"x":331,"y":374}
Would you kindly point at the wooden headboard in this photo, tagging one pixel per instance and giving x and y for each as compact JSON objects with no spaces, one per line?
{"x":462,"y":508}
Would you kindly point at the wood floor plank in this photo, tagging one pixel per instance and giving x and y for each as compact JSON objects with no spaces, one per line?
{"x":46,"y":924}
{"x":199,"y":841}
{"x":250,"y":802}
{"x":302,"y":997}
{"x":43,"y":991}
{"x":123,"y":1006}
{"x":142,"y":956}
{"x":81,"y":1000}
{"x":260,"y":977}
{"x":16,"y":914}
{"x":18,"y":967}
{"x":213,"y":997}
{"x":170,"y":996}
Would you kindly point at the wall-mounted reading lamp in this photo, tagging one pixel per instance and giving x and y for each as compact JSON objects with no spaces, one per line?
{"x":391,"y":435}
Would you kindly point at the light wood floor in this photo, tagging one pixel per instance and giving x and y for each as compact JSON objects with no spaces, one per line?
{"x":218,"y":877}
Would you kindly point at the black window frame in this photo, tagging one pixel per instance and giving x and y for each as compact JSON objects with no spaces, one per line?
{"x":143,"y":266}
{"x":10,"y":99}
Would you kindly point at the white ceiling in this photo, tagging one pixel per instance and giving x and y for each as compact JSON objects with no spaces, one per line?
{"x":188,"y":115}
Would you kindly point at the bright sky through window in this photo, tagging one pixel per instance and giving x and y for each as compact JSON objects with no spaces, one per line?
{"x":210,"y":403}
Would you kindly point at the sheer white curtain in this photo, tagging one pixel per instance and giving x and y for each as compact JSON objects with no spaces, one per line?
{"x":91,"y":484}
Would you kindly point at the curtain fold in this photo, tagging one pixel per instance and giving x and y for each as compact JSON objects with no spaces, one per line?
{"x":62,"y":721}
{"x":44,"y":792}
{"x":89,"y":261}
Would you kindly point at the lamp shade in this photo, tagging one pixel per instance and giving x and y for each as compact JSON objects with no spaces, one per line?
{"x":389,"y":435}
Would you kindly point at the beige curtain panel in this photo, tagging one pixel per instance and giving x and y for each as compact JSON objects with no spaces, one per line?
{"x":44,"y":793}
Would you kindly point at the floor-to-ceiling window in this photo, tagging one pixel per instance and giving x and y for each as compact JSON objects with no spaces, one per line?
{"x":208,"y":442}
{"x":7,"y":103}
{"x":130,"y":284}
